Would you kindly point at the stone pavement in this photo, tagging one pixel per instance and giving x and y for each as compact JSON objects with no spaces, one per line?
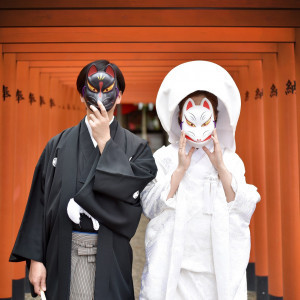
{"x":139,"y":259}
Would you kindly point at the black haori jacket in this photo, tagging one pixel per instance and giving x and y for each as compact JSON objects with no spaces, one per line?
{"x":110,"y":194}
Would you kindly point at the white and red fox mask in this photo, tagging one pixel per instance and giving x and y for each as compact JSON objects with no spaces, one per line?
{"x":197,"y":122}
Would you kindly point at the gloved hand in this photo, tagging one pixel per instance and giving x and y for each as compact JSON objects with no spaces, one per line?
{"x":74,"y":210}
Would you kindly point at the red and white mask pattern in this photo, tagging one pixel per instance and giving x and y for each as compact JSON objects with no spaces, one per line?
{"x":198,"y":122}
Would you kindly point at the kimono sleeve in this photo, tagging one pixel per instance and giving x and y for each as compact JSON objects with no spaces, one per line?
{"x":121,"y":177}
{"x":154,"y":196}
{"x":113,"y":196}
{"x":246,"y":195}
{"x":29,"y":242}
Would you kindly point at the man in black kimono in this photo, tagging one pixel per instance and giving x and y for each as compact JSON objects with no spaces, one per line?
{"x":102,"y":168}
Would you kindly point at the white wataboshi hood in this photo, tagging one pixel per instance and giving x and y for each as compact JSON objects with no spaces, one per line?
{"x":195,"y":76}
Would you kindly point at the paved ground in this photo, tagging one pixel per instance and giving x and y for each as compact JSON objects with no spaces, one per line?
{"x":139,"y":258}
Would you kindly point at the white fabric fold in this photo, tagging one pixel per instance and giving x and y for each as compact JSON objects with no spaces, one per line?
{"x":159,"y":189}
{"x":209,"y":193}
{"x":74,"y":210}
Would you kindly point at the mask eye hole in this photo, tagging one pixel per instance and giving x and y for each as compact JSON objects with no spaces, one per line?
{"x":92,"y":88}
{"x":109,"y":88}
{"x":190,"y":123}
{"x":206,"y":123}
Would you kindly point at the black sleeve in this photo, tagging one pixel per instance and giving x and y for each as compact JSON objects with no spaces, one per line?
{"x":121,"y":177}
{"x":113,"y":195}
{"x":29,"y":242}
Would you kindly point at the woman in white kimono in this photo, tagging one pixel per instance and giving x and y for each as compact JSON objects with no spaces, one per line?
{"x":199,"y":205}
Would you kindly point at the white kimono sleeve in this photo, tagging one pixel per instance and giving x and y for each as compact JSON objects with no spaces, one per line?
{"x":154,"y":196}
{"x":246,"y":195}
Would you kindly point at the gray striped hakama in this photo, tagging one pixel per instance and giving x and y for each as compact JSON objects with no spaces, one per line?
{"x":83,"y":266}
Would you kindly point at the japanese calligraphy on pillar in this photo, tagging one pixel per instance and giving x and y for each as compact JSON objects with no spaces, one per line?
{"x":258,"y":93}
{"x":290,"y":87}
{"x":274,"y":91}
{"x":31,"y":98}
{"x":19,"y":95}
{"x":247,"y":96}
{"x":51,"y":102}
{"x":42,"y":101}
{"x":5,"y":92}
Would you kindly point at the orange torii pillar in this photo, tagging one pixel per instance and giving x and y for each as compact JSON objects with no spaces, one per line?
{"x":23,"y":87}
{"x":61,"y":120}
{"x":69,"y":106}
{"x":75,"y":102}
{"x":78,"y":106}
{"x":235,"y":76}
{"x":20,"y":173}
{"x":53,"y":114}
{"x":272,"y":163}
{"x":244,"y":150}
{"x":297,"y":58}
{"x":34,"y":98}
{"x":1,"y":100}
{"x":289,"y":172}
{"x":1,"y":126}
{"x":240,"y":136}
{"x":258,"y":163}
{"x":8,"y":119}
{"x":44,"y":111}
{"x":63,"y":112}
{"x":79,"y":110}
{"x":5,"y":277}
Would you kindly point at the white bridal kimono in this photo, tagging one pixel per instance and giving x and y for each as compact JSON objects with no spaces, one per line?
{"x":197,"y":230}
{"x":197,"y":244}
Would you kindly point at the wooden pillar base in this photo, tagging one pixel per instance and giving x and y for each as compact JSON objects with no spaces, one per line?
{"x":274,"y":298}
{"x":251,"y":277}
{"x":18,"y":290}
{"x":261,"y":288}
{"x":27,"y":283}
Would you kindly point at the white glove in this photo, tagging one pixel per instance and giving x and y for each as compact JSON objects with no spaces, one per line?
{"x":74,"y":210}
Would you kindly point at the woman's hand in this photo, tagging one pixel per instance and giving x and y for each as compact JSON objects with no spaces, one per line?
{"x":99,"y":122}
{"x":215,"y":157}
{"x":184,"y":160}
{"x":37,"y":276}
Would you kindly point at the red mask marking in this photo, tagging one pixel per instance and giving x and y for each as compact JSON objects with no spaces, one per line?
{"x":92,"y":70}
{"x":100,"y":87}
{"x":110,"y":71}
{"x":207,"y":138}
{"x":190,"y":104}
{"x":206,"y":105}
{"x":188,"y":138}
